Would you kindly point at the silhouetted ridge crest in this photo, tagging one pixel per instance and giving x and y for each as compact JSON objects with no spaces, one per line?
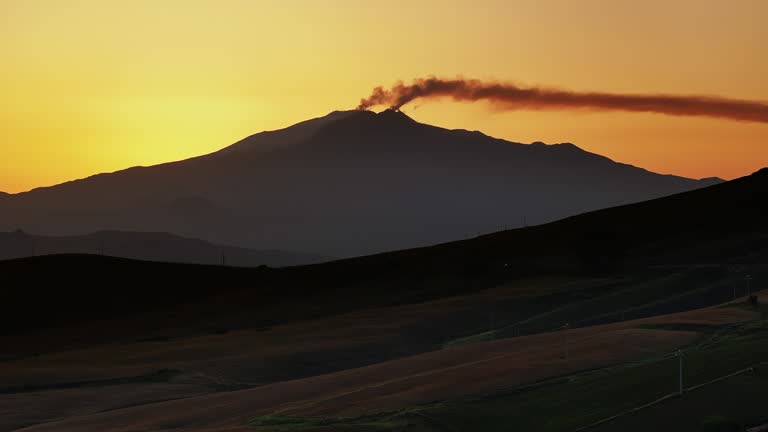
{"x":394,"y":115}
{"x":368,"y":125}
{"x":567,"y":147}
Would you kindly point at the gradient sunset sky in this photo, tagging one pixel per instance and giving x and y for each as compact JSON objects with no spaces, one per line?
{"x":90,"y":86}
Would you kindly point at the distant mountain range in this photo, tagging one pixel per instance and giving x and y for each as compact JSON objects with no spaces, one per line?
{"x":161,"y":247}
{"x":349,"y":183}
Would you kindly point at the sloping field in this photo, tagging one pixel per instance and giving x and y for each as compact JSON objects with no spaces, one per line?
{"x":24,"y":409}
{"x":450,"y":373}
{"x":584,"y":399}
{"x":746,"y":396}
{"x":255,"y":356}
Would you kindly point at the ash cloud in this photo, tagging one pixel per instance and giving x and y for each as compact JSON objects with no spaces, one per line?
{"x":507,"y":96}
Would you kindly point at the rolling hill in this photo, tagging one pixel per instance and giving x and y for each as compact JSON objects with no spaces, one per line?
{"x":716,"y":232}
{"x":161,"y":247}
{"x":347,"y":184}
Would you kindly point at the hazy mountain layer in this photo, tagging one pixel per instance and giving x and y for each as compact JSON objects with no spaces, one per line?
{"x":148,"y":246}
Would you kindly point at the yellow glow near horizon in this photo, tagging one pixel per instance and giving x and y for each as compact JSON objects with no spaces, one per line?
{"x":95,"y":85}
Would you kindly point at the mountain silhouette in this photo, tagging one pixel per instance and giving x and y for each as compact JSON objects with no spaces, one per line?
{"x":349,"y":183}
{"x":162,"y":247}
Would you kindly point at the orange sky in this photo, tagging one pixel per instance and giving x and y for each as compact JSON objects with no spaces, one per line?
{"x":97,"y":85}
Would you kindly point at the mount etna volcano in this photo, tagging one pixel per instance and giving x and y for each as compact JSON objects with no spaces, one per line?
{"x":348,"y":183}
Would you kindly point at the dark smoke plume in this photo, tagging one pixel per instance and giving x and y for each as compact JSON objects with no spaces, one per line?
{"x":507,"y":96}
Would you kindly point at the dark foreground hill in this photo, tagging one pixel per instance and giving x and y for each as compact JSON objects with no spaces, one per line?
{"x":347,"y":184}
{"x":160,"y":247}
{"x":721,"y":227}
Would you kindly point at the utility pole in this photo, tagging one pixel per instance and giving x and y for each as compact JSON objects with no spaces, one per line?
{"x":749,"y":288}
{"x":680,"y":372}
